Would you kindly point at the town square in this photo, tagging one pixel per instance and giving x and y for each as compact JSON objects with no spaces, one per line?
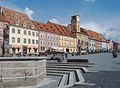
{"x":59,"y":44}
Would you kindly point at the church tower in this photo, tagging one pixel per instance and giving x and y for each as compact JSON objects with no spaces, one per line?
{"x":75,"y":23}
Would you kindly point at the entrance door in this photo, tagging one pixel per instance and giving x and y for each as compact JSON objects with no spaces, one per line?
{"x":24,"y":49}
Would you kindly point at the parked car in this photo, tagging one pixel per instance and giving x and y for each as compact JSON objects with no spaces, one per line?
{"x":84,"y":51}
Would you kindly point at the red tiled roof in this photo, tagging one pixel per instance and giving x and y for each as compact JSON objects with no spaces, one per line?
{"x":43,"y":27}
{"x":15,"y":17}
{"x":83,"y":31}
{"x":53,"y":28}
{"x":60,"y":29}
{"x":96,"y":35}
{"x":2,"y":18}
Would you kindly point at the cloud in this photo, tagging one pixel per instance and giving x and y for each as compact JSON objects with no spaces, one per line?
{"x":113,"y":33}
{"x":29,"y":12}
{"x":94,"y":26}
{"x":110,"y":32}
{"x":58,"y":22}
{"x":9,"y":4}
{"x":89,"y":0}
{"x":54,"y":21}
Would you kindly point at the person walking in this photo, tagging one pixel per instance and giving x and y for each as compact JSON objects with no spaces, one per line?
{"x":66,"y":56}
{"x":114,"y":54}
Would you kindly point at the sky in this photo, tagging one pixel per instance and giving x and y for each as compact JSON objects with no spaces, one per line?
{"x":99,"y":15}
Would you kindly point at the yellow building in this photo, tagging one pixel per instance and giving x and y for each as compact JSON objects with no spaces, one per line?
{"x":84,"y":40}
{"x":67,"y":40}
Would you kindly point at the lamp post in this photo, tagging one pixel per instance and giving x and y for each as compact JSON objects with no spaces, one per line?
{"x":79,"y":47}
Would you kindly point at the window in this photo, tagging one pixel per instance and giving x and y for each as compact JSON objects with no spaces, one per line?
{"x":24,"y":24}
{"x":13,"y":30}
{"x":18,"y":40}
{"x":36,"y":33}
{"x":33,"y":41}
{"x":29,"y":32}
{"x":24,"y":40}
{"x":41,"y":36}
{"x":13,"y":39}
{"x":48,"y":36}
{"x":32,"y":26}
{"x":36,"y":41}
{"x":25,"y":32}
{"x":17,"y":23}
{"x":33,"y":33}
{"x":29,"y":41}
{"x":18,"y":31}
{"x":42,"y":48}
{"x":40,"y":42}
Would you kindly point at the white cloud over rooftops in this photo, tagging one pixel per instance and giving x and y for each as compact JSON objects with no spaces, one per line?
{"x":54,"y":21}
{"x":29,"y":12}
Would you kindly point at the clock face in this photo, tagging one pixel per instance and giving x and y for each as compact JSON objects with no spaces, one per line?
{"x":78,"y":18}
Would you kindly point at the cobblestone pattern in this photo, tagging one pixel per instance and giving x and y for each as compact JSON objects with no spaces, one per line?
{"x":104,"y":79}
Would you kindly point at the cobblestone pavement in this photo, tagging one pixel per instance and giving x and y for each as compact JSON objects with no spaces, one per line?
{"x":104,"y":79}
{"x":109,"y":71}
{"x":103,"y":61}
{"x":53,"y":84}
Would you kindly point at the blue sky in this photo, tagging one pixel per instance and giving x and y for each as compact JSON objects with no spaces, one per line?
{"x":98,"y":15}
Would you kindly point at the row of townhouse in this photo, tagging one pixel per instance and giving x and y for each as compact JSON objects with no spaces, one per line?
{"x":28,"y":36}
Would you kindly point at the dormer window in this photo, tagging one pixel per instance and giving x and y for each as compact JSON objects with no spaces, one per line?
{"x":17,"y":23}
{"x":24,"y":24}
{"x":32,"y":26}
{"x":15,"y":16}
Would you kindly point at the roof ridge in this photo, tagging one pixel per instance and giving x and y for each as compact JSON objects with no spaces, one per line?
{"x":18,"y":11}
{"x":56,"y":24}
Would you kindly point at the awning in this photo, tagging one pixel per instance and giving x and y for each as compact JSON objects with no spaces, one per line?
{"x":56,"y":48}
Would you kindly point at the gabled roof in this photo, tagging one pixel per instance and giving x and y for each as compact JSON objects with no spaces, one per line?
{"x":102,"y":38}
{"x":43,"y":27}
{"x":17,"y":18}
{"x":60,"y":29}
{"x":83,"y":31}
{"x":2,"y":18}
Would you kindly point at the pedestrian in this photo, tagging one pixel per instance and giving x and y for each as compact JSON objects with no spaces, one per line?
{"x":66,"y":55}
{"x":62,"y":57}
{"x":53,"y":57}
{"x":114,"y":54}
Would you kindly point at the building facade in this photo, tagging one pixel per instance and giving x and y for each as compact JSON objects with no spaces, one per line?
{"x":23,"y":36}
{"x":28,"y":36}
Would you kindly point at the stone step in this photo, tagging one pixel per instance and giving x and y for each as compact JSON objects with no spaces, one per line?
{"x":90,"y":63}
{"x":84,"y":69}
{"x":77,"y":65}
{"x":63,"y":81}
{"x":55,"y":74}
{"x":71,"y":67}
{"x":61,"y":69}
{"x":71,"y":80}
{"x":80,"y":77}
{"x":60,"y":72}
